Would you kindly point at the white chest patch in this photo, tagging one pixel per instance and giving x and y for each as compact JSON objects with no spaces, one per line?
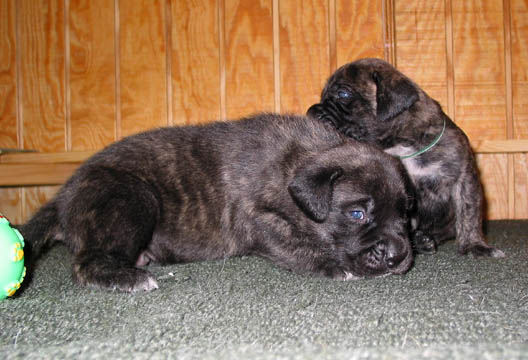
{"x":413,"y":168}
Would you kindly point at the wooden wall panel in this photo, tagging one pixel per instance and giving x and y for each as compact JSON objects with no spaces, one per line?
{"x":77,"y":74}
{"x":480,"y":89}
{"x":142,"y":60}
{"x":195,"y":61}
{"x":304,"y":55}
{"x":421,"y":45}
{"x":248,"y":57}
{"x":519,"y":29}
{"x":10,"y":198}
{"x":493,"y":173}
{"x":10,"y":204}
{"x":41,"y":31}
{"x":42,"y":79}
{"x":478,"y":36}
{"x":519,"y":38}
{"x":8,"y":89}
{"x":521,"y":186}
{"x":91,"y":74}
{"x":35,"y":197}
{"x":359,"y":30}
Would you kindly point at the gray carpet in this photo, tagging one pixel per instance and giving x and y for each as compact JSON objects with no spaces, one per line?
{"x":446,"y":307}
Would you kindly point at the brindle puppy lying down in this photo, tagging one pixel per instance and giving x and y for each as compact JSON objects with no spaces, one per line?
{"x":286,"y":188}
{"x":369,"y":100}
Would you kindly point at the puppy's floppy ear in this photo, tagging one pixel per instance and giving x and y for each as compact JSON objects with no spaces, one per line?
{"x":312,"y":188}
{"x":394,"y":95}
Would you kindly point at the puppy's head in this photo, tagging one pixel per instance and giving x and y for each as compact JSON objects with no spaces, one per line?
{"x":362,"y":99}
{"x":359,"y":199}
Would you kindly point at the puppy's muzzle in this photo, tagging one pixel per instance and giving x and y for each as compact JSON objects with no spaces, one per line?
{"x":389,"y":256}
{"x":395,"y":254}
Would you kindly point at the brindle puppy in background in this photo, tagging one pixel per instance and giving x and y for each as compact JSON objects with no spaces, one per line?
{"x":287,"y":188}
{"x":370,"y":101}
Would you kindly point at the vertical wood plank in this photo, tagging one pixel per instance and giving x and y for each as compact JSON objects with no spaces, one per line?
{"x":521,"y":186}
{"x":480,"y":94}
{"x":92,"y":73}
{"x":519,"y":35}
{"x":478,"y":37}
{"x":42,"y":73}
{"x":10,"y":204}
{"x":8,"y":91}
{"x":519,"y":39}
{"x":509,"y":104}
{"x":248,"y":57}
{"x":493,"y":173}
{"x":35,"y":197}
{"x":143,"y":87}
{"x":195,"y":62}
{"x":42,"y":81}
{"x":304,"y":57}
{"x":421,"y":29}
{"x":359,"y":30}
{"x":450,"y":71}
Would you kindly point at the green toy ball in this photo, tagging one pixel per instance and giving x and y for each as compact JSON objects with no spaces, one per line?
{"x":12,"y":269}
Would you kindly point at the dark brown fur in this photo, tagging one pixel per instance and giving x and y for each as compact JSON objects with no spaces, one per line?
{"x":287,"y":188}
{"x":370,"y":101}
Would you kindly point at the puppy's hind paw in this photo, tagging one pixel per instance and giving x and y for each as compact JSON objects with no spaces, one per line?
{"x":147,"y":285}
{"x":482,"y":250}
{"x":349,"y":276}
{"x":111,"y":277}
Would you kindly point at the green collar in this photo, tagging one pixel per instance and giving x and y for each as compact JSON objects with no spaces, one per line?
{"x":428,"y":147}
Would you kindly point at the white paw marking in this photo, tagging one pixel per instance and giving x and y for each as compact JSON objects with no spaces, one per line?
{"x":349,"y":276}
{"x":148,"y":285}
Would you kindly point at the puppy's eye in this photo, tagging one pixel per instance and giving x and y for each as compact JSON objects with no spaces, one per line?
{"x":343,"y":94}
{"x":357,"y":214}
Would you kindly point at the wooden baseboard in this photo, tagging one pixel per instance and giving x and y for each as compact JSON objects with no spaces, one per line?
{"x":500,"y":146}
{"x":24,"y":169}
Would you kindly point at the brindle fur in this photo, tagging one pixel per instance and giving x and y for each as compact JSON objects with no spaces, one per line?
{"x":370,"y":101}
{"x":280,"y":187}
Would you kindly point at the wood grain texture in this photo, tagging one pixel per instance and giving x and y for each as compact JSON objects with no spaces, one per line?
{"x":35,"y":197}
{"x":41,"y":31}
{"x":359,"y":30}
{"x":519,"y":56}
{"x":500,"y":146}
{"x":521,"y":185}
{"x":494,"y":176}
{"x":92,"y":73}
{"x":519,"y":29}
{"x":479,"y":68}
{"x":46,"y":158}
{"x":195,"y":62}
{"x":8,"y":90}
{"x":35,"y":174}
{"x":142,"y":65}
{"x":304,"y":63}
{"x":11,"y":204}
{"x":421,"y":45}
{"x":248,"y":57}
{"x":10,"y":198}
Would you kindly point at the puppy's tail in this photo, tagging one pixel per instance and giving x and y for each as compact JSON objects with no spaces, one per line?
{"x":41,"y":231}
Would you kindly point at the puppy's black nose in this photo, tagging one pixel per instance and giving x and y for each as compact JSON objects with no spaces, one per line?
{"x":393,"y":261}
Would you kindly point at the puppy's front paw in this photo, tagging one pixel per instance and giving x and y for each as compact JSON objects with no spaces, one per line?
{"x":481,"y":250}
{"x":423,"y":244}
